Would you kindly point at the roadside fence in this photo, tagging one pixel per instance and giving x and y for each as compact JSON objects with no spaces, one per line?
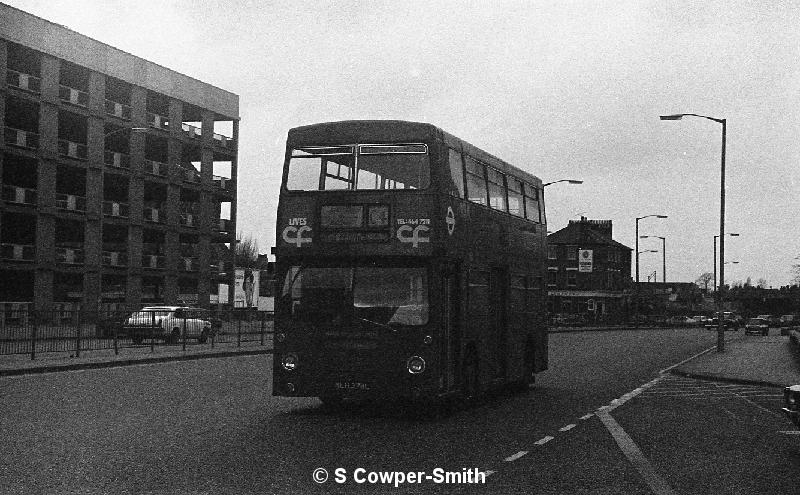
{"x":76,"y":332}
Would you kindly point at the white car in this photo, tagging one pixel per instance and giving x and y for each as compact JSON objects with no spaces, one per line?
{"x":170,"y":323}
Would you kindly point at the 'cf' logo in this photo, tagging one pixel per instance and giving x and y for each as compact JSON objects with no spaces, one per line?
{"x":416,"y":234}
{"x":298,"y":238}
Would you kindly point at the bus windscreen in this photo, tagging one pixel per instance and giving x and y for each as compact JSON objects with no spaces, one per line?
{"x":380,"y":295}
{"x":362,"y":167}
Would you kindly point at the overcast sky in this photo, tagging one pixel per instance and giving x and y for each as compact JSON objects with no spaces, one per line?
{"x":561,"y":89}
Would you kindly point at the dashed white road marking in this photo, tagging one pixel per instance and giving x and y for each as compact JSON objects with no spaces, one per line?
{"x":567,"y":428}
{"x":587,"y":416}
{"x":790,"y":432}
{"x":543,"y":441}
{"x":516,"y":456}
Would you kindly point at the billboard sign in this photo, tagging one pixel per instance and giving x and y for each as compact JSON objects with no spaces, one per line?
{"x":585,"y":260}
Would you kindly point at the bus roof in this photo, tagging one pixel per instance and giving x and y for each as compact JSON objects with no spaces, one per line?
{"x":395,"y":131}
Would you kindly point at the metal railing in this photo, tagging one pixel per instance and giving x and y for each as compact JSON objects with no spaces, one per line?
{"x":19,"y":195}
{"x":21,"y":138}
{"x":70,"y":202}
{"x":117,"y":109}
{"x":25,"y":331}
{"x":72,"y":149}
{"x":24,"y":81}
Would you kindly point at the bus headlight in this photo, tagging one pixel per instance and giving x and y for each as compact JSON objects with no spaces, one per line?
{"x":416,"y":365}
{"x":289,"y":362}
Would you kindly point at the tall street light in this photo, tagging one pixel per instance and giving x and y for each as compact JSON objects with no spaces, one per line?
{"x":663,"y":255}
{"x":715,"y":258}
{"x":637,"y":240}
{"x":571,"y":181}
{"x":720,"y":325}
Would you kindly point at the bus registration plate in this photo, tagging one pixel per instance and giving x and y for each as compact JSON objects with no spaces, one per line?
{"x":349,"y":385}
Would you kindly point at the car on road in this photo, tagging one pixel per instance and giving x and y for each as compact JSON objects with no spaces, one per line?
{"x":788,"y":320}
{"x":757,"y":326}
{"x":791,"y":404}
{"x":700,"y":320}
{"x":170,"y":323}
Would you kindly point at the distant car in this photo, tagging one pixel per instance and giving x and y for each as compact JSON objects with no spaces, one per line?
{"x":170,"y":323}
{"x":680,"y":321}
{"x":757,"y":325}
{"x":727,"y":323}
{"x":791,"y":404}
{"x":788,"y":320}
{"x":700,"y":320}
{"x":773,"y":321}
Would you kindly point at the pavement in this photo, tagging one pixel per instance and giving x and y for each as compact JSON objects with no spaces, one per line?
{"x":772,"y":361}
{"x":49,"y":362}
{"x":758,"y":360}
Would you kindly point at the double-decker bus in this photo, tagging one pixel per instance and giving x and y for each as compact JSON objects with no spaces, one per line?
{"x":409,"y":264}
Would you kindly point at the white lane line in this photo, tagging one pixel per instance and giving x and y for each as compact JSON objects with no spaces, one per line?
{"x":516,"y":456}
{"x":630,"y":395}
{"x":667,"y":370}
{"x":567,"y":428}
{"x":587,"y":416}
{"x":635,"y":456}
{"x":790,"y":432}
{"x":543,"y":441}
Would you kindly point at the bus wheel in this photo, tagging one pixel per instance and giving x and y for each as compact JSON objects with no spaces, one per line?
{"x":469,"y":377}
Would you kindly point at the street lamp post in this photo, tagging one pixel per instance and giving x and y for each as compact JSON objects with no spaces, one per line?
{"x":720,"y":323}
{"x":571,"y":181}
{"x":637,"y":240}
{"x":715,"y":259}
{"x":663,"y":255}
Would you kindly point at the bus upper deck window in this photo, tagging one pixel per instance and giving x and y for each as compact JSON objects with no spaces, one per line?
{"x":393,"y":166}
{"x":316,"y":168}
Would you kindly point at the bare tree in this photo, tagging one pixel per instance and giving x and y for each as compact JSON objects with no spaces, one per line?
{"x":246,"y":254}
{"x":761,"y":283}
{"x":705,"y":279}
{"x":796,"y":270}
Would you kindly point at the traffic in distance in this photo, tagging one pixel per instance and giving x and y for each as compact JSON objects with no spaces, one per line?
{"x":409,"y":265}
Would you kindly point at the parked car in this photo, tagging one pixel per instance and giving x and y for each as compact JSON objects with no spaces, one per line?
{"x":170,"y":323}
{"x":757,"y":326}
{"x":700,"y":320}
{"x":773,"y":321}
{"x":680,"y":321}
{"x":788,"y":320}
{"x":729,"y":323}
{"x":791,"y":404}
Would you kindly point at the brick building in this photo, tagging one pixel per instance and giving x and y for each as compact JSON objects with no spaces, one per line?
{"x":588,"y":273}
{"x":118,"y":175}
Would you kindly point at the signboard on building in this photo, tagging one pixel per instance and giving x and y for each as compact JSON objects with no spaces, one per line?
{"x":585,"y":260}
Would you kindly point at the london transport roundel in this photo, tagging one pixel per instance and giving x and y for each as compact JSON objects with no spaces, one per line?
{"x":450,"y":220}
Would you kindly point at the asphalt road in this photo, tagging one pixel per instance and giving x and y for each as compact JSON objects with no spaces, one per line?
{"x":211,"y":426}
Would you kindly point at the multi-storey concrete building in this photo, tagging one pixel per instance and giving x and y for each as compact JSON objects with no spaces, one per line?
{"x":588,"y":272}
{"x":118,"y":175}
